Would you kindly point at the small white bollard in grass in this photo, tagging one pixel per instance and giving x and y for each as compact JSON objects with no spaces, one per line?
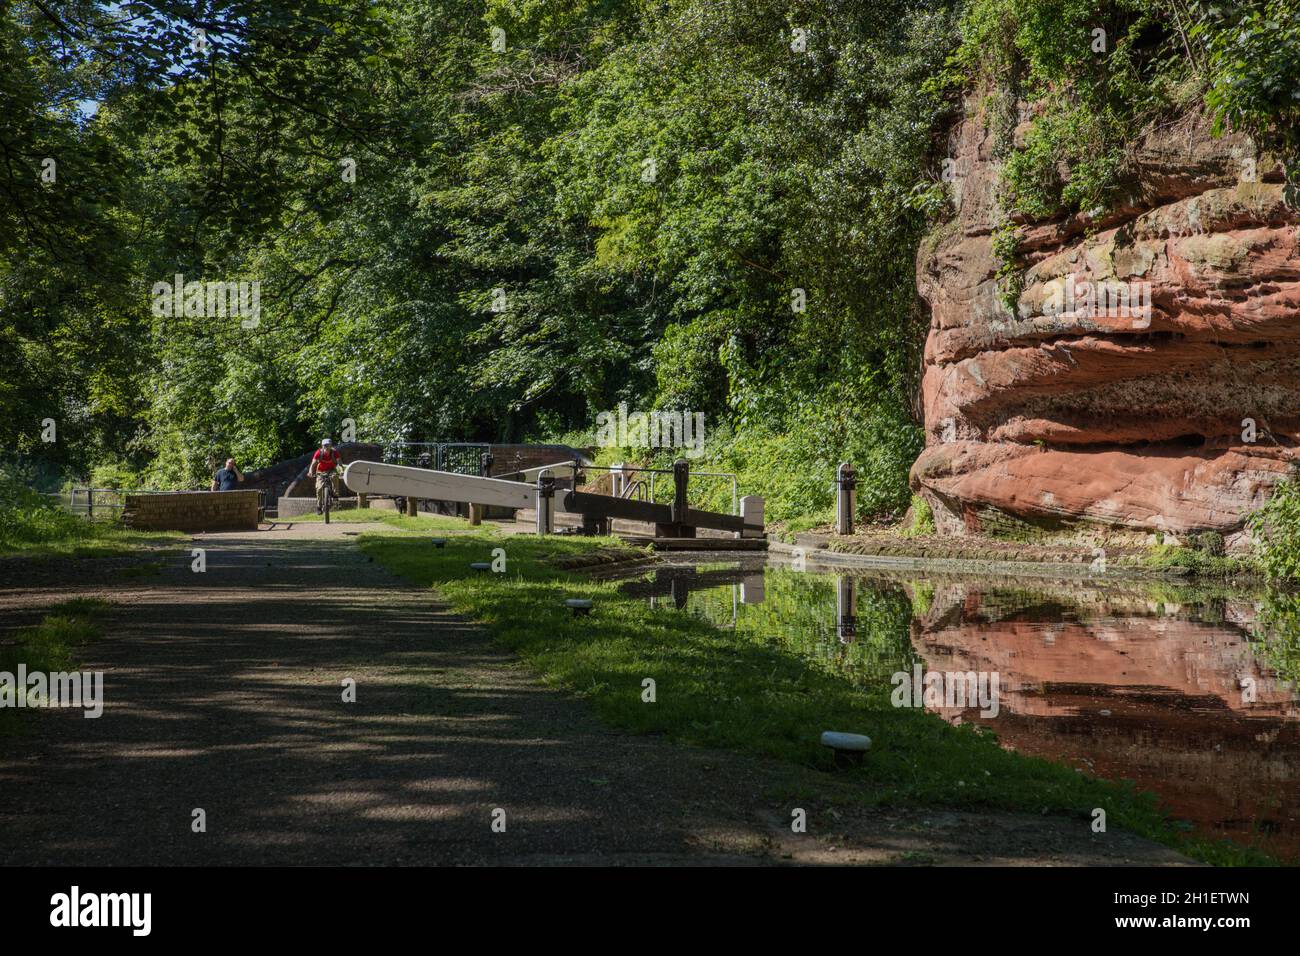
{"x":849,"y":748}
{"x":579,"y":606}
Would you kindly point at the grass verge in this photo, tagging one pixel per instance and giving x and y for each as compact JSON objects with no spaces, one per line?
{"x":50,"y":645}
{"x":94,"y":539}
{"x":726,"y":689}
{"x":393,"y":519}
{"x":33,"y":527}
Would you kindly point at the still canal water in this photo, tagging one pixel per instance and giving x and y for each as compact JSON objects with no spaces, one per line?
{"x":1189,"y":693}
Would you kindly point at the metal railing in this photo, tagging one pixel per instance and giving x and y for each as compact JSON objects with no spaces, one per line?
{"x":92,"y":502}
{"x":464,"y":458}
{"x":109,"y":502}
{"x":628,"y":473}
{"x":636,"y":490}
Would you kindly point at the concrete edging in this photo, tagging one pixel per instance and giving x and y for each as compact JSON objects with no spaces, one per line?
{"x":1037,"y":569}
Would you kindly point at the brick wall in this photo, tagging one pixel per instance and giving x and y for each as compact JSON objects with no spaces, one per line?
{"x":192,"y":511}
{"x":511,"y":458}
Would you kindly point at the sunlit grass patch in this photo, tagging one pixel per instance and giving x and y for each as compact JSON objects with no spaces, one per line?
{"x":52,"y":644}
{"x":393,"y":519}
{"x":88,"y":539}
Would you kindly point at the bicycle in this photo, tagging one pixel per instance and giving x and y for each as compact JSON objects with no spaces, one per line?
{"x":330,"y":497}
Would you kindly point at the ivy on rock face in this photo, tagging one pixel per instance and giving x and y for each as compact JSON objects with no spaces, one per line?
{"x":1100,"y":72}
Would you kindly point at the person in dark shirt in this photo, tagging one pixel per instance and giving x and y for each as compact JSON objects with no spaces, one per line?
{"x":227,"y":478}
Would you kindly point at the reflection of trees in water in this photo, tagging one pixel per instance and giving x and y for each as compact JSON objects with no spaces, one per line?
{"x":799,"y":613}
{"x":1277,"y":640}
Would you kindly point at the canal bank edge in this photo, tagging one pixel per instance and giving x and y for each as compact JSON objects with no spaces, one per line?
{"x":901,"y":555}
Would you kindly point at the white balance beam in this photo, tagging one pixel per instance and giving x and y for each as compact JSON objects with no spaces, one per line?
{"x":378,"y":478}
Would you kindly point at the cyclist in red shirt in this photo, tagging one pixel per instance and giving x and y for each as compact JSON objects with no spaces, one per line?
{"x":325,"y":468}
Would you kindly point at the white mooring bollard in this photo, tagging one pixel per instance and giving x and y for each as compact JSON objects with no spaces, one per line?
{"x":849,"y":749}
{"x":751,"y":516}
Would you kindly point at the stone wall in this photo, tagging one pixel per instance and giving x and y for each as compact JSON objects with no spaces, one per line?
{"x":192,"y":511}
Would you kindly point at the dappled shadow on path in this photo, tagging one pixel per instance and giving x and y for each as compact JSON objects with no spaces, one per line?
{"x":224,"y":692}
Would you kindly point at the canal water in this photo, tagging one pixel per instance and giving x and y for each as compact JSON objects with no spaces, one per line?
{"x":1188,"y":692}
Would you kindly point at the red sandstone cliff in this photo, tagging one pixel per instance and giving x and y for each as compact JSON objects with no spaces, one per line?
{"x":1127,"y":419}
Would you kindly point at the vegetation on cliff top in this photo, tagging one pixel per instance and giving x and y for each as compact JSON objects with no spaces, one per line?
{"x":1100,"y":75}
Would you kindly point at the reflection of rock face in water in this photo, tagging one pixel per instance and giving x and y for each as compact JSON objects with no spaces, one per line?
{"x":1119,"y":689}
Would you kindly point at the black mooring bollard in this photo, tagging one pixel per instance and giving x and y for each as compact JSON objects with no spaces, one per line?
{"x":681,"y":477}
{"x":846,"y":606}
{"x":846,"y":497}
{"x":545,"y":503}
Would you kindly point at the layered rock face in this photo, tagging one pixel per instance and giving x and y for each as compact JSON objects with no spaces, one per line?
{"x":1118,"y":389}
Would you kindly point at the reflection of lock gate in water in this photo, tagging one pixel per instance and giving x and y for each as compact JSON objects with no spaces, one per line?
{"x":678,"y":583}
